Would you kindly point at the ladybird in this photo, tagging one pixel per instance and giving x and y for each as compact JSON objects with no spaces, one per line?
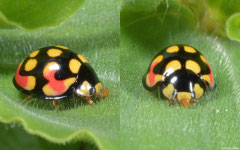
{"x":181,"y":73}
{"x":56,"y":72}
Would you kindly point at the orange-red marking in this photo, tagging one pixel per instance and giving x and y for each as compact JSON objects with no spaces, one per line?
{"x":210,"y":75}
{"x":152,"y":75}
{"x":23,"y":81}
{"x":57,"y":86}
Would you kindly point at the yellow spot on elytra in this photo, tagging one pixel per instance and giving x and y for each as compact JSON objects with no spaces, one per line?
{"x":172,"y":66}
{"x":198,"y":91}
{"x":54,"y":52}
{"x":99,"y":89}
{"x":83,"y":59}
{"x":158,"y":78}
{"x":30,"y":65}
{"x":172,"y":49}
{"x":62,"y":47}
{"x":34,"y":54}
{"x":168,"y":91}
{"x":157,"y":59}
{"x":68,"y":82}
{"x":184,"y":98}
{"x":203,"y":59}
{"x":206,"y":78}
{"x":147,"y":80}
{"x":74,"y":65}
{"x":189,"y":49}
{"x":31,"y":83}
{"x":175,"y":64}
{"x":49,"y":67}
{"x":192,"y":65}
{"x":47,"y":90}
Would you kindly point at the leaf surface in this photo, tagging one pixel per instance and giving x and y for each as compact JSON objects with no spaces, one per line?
{"x":147,"y":120}
{"x":30,"y":15}
{"x":92,"y":32}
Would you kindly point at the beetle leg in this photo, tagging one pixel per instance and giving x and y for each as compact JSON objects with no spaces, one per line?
{"x":194,"y":100}
{"x":149,"y":92}
{"x":55,"y":103}
{"x":171,"y":101}
{"x":27,"y":99}
{"x":89,"y":100}
{"x":105,"y":93}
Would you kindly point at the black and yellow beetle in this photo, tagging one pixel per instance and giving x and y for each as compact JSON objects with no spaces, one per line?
{"x":181,"y":73}
{"x":54,"y":73}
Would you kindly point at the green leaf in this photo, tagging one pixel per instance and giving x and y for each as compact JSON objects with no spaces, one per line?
{"x":23,"y":140}
{"x":212,"y":14}
{"x":160,"y":21}
{"x":139,"y":5}
{"x":218,"y":13}
{"x":224,"y":8}
{"x":93,"y":32}
{"x":147,"y":120}
{"x":233,"y":27}
{"x":30,"y":15}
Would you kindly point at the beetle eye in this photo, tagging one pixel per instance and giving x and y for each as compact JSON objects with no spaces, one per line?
{"x":92,"y":91}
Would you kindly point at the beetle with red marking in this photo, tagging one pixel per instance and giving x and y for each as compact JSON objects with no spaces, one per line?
{"x":54,"y":73}
{"x":181,"y":73}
